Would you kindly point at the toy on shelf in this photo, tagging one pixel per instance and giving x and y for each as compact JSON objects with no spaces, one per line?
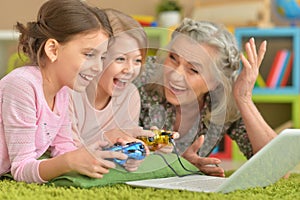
{"x":160,"y":139}
{"x":134,"y":150}
{"x":289,"y":10}
{"x":145,"y":20}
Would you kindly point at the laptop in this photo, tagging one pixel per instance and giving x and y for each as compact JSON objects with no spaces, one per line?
{"x":272,"y":162}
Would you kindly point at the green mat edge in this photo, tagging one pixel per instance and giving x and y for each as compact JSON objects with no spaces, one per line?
{"x":116,"y":176}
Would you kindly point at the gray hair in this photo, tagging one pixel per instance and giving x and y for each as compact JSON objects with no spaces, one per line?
{"x":226,"y":65}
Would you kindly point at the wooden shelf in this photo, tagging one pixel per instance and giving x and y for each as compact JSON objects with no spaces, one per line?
{"x":277,"y":38}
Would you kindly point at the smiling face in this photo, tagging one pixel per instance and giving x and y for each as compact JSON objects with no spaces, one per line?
{"x":122,"y":65}
{"x":79,"y":60}
{"x":188,"y":71}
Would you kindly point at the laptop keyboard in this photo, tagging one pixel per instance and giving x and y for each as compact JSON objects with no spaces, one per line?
{"x":203,"y":184}
{"x":198,"y":183}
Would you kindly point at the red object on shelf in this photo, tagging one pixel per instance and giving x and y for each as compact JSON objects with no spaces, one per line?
{"x":145,"y":23}
{"x":224,"y":149}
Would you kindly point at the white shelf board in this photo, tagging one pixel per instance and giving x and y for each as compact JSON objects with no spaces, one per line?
{"x":8,"y":35}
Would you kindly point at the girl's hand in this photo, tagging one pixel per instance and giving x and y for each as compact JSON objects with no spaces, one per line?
{"x":206,"y":165}
{"x":132,"y":164}
{"x":245,"y":82}
{"x":92,"y":160}
{"x":127,"y":135}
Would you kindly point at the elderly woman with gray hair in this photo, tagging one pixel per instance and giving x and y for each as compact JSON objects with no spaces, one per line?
{"x":196,"y":86}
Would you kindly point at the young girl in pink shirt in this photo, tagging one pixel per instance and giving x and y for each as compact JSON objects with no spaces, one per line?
{"x":65,"y":45}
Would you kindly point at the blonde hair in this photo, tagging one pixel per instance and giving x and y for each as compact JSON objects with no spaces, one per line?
{"x":123,"y":23}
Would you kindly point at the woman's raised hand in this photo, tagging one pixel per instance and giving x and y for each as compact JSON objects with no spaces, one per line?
{"x":245,"y":82}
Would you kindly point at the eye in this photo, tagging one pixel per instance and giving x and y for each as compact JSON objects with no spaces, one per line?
{"x":194,"y":70}
{"x":138,"y":61}
{"x":103,"y":56}
{"x":172,"y":57}
{"x":120,"y":59}
{"x":89,"y":55}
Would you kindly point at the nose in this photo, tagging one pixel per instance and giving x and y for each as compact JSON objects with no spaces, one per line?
{"x":128,"y":67}
{"x":180,"y":70}
{"x":177,"y":73}
{"x":98,"y":66}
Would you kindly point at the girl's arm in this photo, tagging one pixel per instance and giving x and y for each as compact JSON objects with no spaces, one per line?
{"x":91,"y":162}
{"x":27,"y":139}
{"x":19,"y":120}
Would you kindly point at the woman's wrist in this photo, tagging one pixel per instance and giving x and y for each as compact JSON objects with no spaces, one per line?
{"x":243,"y":103}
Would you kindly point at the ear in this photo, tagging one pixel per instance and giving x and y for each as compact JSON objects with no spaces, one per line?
{"x":51,"y":49}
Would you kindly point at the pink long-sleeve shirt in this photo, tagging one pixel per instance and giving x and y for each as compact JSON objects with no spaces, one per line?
{"x":28,"y":127}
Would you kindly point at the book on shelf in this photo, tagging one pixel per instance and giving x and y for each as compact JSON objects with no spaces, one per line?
{"x":278,"y":68}
{"x":287,"y":72}
{"x":283,"y":68}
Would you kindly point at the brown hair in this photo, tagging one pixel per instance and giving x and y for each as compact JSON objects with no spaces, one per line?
{"x":60,"y":20}
{"x":121,"y":22}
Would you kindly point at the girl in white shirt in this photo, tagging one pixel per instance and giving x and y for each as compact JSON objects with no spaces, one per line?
{"x":110,"y":106}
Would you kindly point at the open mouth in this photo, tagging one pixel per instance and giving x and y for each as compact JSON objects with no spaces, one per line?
{"x":120,"y":83}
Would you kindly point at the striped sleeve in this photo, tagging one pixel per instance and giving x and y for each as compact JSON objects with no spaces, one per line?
{"x":19,"y":106}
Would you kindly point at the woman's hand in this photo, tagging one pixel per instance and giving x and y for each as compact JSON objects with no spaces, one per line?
{"x":206,"y":165}
{"x":245,"y":82}
{"x":161,"y":148}
{"x":127,"y":134}
{"x":92,"y":160}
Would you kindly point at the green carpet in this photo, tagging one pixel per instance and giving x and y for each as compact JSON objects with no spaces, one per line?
{"x":283,"y":189}
{"x":75,"y":186}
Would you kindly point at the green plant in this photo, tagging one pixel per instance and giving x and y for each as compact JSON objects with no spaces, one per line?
{"x":168,"y":5}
